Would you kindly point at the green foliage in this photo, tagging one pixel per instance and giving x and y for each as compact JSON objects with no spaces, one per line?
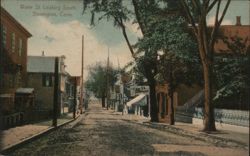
{"x":180,"y":57}
{"x":169,"y":34}
{"x":232,"y":76}
{"x":99,"y":78}
{"x":113,"y":10}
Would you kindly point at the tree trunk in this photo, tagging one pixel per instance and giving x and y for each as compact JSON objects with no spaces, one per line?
{"x":209,"y":122}
{"x":153,"y":104}
{"x":171,"y":93}
{"x":127,"y":40}
{"x":207,"y":64}
{"x":103,"y":101}
{"x":107,"y":104}
{"x":172,"y":120}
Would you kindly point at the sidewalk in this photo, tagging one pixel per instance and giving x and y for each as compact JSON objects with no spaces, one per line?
{"x":235,"y":133}
{"x":17,"y":135}
{"x":234,"y":136}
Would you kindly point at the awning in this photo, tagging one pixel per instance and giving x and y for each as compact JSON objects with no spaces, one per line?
{"x":6,"y":95}
{"x":24,"y":90}
{"x":140,"y":99}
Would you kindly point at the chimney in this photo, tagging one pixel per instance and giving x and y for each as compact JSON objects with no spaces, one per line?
{"x":43,"y":53}
{"x":238,"y":20}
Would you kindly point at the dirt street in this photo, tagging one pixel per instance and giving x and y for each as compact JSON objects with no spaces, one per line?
{"x":101,"y":132}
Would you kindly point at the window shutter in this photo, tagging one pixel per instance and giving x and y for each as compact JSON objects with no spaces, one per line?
{"x":44,"y":80}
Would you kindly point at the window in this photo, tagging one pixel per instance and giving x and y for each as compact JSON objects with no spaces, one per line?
{"x":72,"y":90}
{"x":163,"y":105}
{"x":20,"y":47}
{"x":18,"y":77}
{"x":13,"y":42}
{"x":47,"y":80}
{"x":167,"y":104}
{"x":158,"y":99}
{"x":3,"y":35}
{"x":11,"y":80}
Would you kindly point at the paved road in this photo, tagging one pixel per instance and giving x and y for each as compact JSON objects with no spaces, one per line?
{"x":105,"y":133}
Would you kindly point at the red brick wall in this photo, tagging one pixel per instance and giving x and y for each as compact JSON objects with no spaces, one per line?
{"x":13,"y":26}
{"x":242,"y":31}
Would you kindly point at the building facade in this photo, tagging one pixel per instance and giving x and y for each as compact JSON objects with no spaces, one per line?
{"x":72,"y":88}
{"x":231,"y":34}
{"x":41,"y":78}
{"x":14,"y":43}
{"x":13,"y":68}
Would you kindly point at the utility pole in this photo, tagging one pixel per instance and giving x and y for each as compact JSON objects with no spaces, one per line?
{"x":81,"y":97}
{"x":75,"y":97}
{"x":108,"y":80}
{"x":56,"y":91}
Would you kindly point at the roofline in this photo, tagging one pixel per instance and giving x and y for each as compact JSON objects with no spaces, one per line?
{"x":8,"y":15}
{"x":196,"y":24}
{"x":38,"y":72}
{"x":231,"y":26}
{"x":76,"y":76}
{"x":44,"y":56}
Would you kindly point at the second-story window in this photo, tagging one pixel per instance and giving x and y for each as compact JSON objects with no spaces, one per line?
{"x":13,"y":42}
{"x":47,"y":80}
{"x":20,"y":48}
{"x":3,"y":35}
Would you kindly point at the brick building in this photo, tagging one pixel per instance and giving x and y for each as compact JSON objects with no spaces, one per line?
{"x":13,"y":61}
{"x":14,"y":97}
{"x":14,"y":42}
{"x":230,"y":33}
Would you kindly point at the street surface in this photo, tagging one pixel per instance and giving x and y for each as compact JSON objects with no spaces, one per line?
{"x":101,"y":132}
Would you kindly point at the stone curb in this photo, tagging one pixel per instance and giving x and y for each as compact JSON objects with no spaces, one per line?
{"x":34,"y":137}
{"x":202,"y":136}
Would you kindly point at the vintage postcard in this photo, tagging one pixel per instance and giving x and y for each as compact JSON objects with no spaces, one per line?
{"x":124,"y":77}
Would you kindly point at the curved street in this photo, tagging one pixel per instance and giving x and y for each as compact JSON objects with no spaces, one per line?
{"x":101,"y":132}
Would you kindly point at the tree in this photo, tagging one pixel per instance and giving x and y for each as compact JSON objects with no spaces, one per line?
{"x":179,"y":62}
{"x":197,"y":10}
{"x":97,"y":80}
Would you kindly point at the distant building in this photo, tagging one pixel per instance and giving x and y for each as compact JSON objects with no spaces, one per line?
{"x":131,"y":97}
{"x":117,"y":94}
{"x":70,"y":91}
{"x":41,"y":78}
{"x":231,"y":33}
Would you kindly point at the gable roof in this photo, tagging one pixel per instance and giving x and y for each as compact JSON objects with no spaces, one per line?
{"x":4,"y":13}
{"x":41,"y":64}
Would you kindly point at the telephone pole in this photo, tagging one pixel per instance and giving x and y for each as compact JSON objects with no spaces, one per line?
{"x":81,"y":97}
{"x":75,"y":97}
{"x":108,"y":80}
{"x":56,"y":92}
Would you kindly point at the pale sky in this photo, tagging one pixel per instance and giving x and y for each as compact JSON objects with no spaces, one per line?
{"x":57,"y":27}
